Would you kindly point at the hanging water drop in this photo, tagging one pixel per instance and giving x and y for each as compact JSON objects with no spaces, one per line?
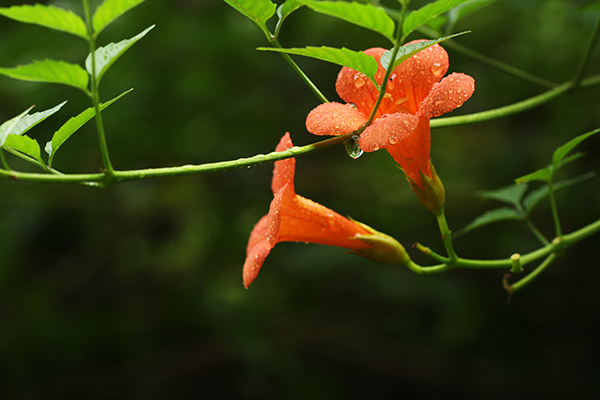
{"x":393,"y":140}
{"x":352,"y":147}
{"x":374,"y":147}
{"x":436,"y":69}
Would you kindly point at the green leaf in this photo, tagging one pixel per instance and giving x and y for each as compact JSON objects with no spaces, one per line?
{"x":110,"y":10}
{"x":563,"y":150}
{"x":543,"y":175}
{"x":284,"y":10}
{"x":364,"y":15}
{"x":490,"y":217}
{"x":356,"y":60}
{"x":258,"y":11}
{"x":420,"y":17}
{"x":9,"y":126}
{"x":25,"y":145}
{"x":534,"y":197}
{"x":47,"y":16}
{"x":72,"y":125}
{"x":409,"y":50}
{"x":51,"y":71}
{"x":510,"y":194}
{"x":29,"y":121}
{"x":107,"y":55}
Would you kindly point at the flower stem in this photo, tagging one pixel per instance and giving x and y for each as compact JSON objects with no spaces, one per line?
{"x":95,"y":94}
{"x":388,"y":72}
{"x":446,"y":236}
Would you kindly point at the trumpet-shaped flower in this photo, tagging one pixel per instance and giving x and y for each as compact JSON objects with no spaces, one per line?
{"x":414,"y":94}
{"x":293,"y":218}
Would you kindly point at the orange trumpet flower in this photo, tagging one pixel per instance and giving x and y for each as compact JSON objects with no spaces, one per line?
{"x":414,"y":94}
{"x":293,"y":218}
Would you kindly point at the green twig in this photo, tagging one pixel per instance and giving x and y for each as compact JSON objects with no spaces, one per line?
{"x":588,"y":53}
{"x":515,"y":287}
{"x":299,"y":71}
{"x":388,"y":72}
{"x":495,"y":113}
{"x":95,"y":94}
{"x":499,"y":65}
{"x":3,"y":159}
{"x":185,"y":170}
{"x":446,"y":236}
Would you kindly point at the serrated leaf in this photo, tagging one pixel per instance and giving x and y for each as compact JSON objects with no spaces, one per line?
{"x":8,"y":127}
{"x":490,"y":217}
{"x":47,"y":16}
{"x":421,"y":16}
{"x":409,"y":50}
{"x":29,"y":121}
{"x":543,"y":175}
{"x":51,"y":71}
{"x":72,"y":125}
{"x":110,"y":10}
{"x":363,"y":15}
{"x":284,"y":10}
{"x":107,"y":55}
{"x":533,"y":198}
{"x":563,"y":150}
{"x":25,"y":145}
{"x":509,"y":194}
{"x":356,"y":60}
{"x":258,"y":11}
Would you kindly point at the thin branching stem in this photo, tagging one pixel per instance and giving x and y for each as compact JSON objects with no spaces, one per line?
{"x":95,"y":94}
{"x":588,"y":53}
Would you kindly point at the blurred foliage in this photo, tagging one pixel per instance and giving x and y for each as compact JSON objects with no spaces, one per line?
{"x":134,"y":292}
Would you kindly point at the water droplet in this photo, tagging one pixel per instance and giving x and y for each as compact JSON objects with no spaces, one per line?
{"x":393,"y":140}
{"x":374,"y":147}
{"x":360,"y":80}
{"x":352,"y":148}
{"x":436,"y":69}
{"x":392,"y":82}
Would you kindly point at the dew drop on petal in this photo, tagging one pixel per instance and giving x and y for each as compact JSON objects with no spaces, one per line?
{"x":374,"y":147}
{"x":392,"y":82}
{"x":393,"y":140}
{"x":360,"y":80}
{"x":436,"y":69}
{"x":352,"y":147}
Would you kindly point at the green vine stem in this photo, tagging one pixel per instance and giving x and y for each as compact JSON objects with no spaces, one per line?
{"x":95,"y":94}
{"x":586,"y":57}
{"x":499,"y":65}
{"x":446,"y":237}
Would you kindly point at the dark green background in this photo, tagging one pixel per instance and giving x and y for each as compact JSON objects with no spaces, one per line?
{"x":134,"y":292}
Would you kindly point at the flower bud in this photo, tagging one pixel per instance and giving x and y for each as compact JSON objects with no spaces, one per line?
{"x":385,"y":249}
{"x":431,"y":194}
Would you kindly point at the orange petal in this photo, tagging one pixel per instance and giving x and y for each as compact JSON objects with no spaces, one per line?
{"x":354,"y":87}
{"x":262,"y":239}
{"x":412,"y":153}
{"x":388,"y":130}
{"x":283,"y":173}
{"x":303,"y":220}
{"x":412,"y":80}
{"x":334,"y":119}
{"x":447,"y":95}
